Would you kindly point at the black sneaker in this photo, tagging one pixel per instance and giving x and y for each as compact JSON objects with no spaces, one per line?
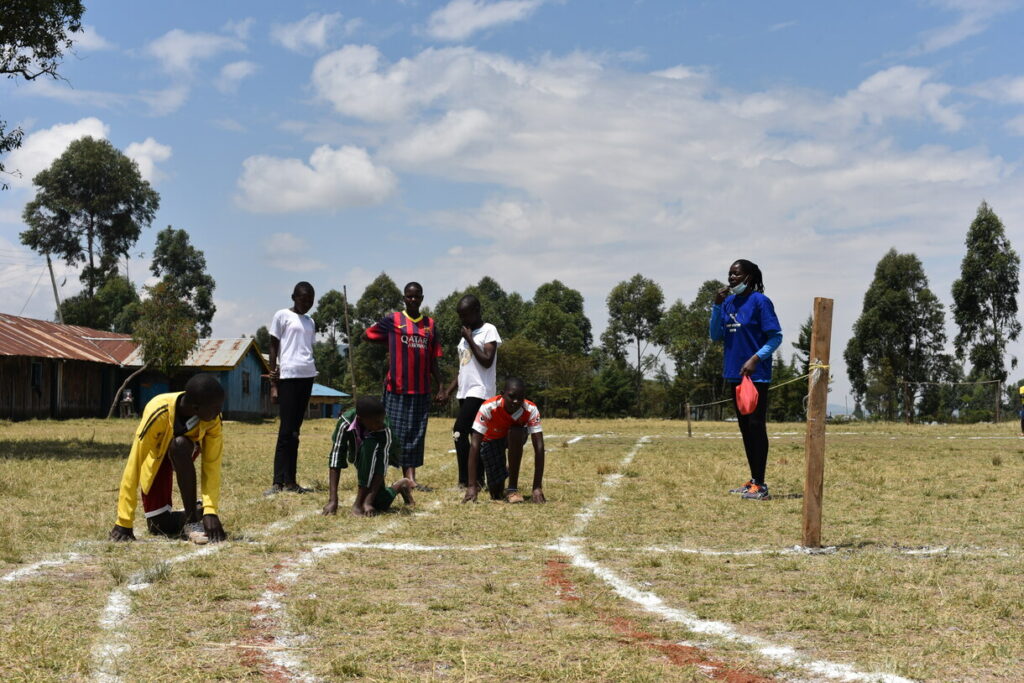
{"x":295,"y":488}
{"x":744,"y":488}
{"x":757,"y":492}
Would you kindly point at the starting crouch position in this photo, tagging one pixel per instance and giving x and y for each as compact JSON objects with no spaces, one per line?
{"x":501,"y":425}
{"x":175,"y":429}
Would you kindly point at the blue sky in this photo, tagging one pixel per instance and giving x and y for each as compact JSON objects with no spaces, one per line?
{"x":531,"y":140}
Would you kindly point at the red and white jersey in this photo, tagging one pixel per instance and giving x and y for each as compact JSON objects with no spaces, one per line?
{"x":493,"y":421}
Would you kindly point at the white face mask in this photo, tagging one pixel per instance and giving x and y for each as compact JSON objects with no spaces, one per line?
{"x":739,"y":289}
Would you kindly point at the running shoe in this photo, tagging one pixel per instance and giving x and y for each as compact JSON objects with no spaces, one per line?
{"x":744,"y":488}
{"x":195,"y":533}
{"x":757,"y":492}
{"x":513,"y":496}
{"x":295,"y":488}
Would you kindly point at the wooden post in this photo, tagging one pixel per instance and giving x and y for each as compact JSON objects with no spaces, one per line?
{"x":56,"y":298}
{"x":817,"y":409}
{"x":689,"y":429}
{"x":348,"y":340}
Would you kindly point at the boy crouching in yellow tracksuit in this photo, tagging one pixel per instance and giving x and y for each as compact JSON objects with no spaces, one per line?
{"x":175,"y":429}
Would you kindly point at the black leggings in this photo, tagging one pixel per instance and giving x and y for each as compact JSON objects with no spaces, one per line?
{"x":461,"y":430}
{"x":292,"y":399}
{"x":754,"y":428}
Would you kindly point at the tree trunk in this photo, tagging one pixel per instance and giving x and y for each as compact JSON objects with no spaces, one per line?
{"x":117,"y":395}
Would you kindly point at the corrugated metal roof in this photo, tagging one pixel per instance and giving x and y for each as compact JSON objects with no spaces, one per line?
{"x":211,"y":354}
{"x":42,"y":339}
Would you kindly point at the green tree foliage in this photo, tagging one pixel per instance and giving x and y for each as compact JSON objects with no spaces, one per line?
{"x":381,"y":297}
{"x":683,"y":332}
{"x":33,"y":37}
{"x":90,"y":206}
{"x":114,"y":308}
{"x":898,"y":338}
{"x":803,"y":344}
{"x":330,"y":320}
{"x":985,"y":298}
{"x":262,"y":338}
{"x":183,"y":268}
{"x":557,"y":321}
{"x":612,"y":391}
{"x":634,"y":312}
{"x":786,"y":397}
{"x":165,"y":330}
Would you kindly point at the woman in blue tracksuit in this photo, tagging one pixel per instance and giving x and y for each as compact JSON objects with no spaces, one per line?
{"x":745,"y":319}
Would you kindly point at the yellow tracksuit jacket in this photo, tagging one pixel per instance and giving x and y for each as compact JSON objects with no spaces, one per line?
{"x":152,"y":439}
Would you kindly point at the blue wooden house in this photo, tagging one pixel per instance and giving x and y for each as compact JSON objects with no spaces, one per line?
{"x":238,"y":365}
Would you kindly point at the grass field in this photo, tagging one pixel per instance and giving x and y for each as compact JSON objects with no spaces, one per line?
{"x":640,"y":567}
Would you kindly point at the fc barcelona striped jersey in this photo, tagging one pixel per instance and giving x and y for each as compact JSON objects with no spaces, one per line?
{"x":412,"y":346}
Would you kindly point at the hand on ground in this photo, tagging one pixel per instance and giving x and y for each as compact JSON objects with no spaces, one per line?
{"x":214,"y":530}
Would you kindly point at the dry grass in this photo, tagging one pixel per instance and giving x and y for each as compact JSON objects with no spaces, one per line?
{"x":514,"y":610}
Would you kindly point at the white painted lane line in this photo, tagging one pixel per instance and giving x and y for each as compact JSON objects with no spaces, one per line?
{"x":108,"y":651}
{"x":114,"y":643}
{"x":569,"y":546}
{"x":282,"y":641}
{"x":36,"y":567}
{"x":655,"y":605}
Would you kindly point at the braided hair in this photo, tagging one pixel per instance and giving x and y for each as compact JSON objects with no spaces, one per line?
{"x":750,"y":269}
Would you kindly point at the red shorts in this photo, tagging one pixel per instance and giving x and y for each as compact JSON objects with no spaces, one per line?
{"x":158,"y":500}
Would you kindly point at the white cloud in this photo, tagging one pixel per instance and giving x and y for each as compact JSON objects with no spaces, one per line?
{"x":90,"y":41}
{"x":179,"y":51}
{"x":229,"y":124}
{"x":444,"y":139}
{"x":591,"y":173}
{"x":39,"y":149}
{"x":147,"y":154}
{"x":356,"y":81}
{"x":231,"y":75}
{"x":333,"y":179}
{"x":241,"y":28}
{"x":285,"y":251}
{"x":903,"y":92}
{"x":460,"y":19}
{"x":310,"y":34}
{"x":83,"y":98}
{"x":975,"y":16}
{"x":1015,"y":126}
{"x":1006,"y":90}
{"x":166,"y":101}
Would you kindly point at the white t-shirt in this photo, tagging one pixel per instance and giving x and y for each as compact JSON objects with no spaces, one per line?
{"x":295,"y":355}
{"x":474,"y":379}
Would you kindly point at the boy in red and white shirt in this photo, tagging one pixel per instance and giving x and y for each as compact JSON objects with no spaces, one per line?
{"x":501,"y":424}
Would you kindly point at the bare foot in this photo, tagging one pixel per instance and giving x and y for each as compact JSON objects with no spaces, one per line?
{"x":369,"y":511}
{"x":357,"y":511}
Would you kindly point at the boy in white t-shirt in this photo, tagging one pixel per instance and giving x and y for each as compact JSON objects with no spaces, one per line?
{"x":477,"y":379}
{"x":291,"y":376}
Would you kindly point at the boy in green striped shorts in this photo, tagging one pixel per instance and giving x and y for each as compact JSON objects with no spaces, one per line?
{"x":363,"y":437}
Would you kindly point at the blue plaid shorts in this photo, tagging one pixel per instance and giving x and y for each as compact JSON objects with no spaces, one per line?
{"x":407,"y":414}
{"x":493,"y":455}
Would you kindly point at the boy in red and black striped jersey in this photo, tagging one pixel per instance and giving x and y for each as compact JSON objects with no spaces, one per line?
{"x":413,"y":350}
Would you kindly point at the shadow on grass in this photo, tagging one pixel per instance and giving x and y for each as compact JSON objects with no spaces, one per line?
{"x":60,"y":449}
